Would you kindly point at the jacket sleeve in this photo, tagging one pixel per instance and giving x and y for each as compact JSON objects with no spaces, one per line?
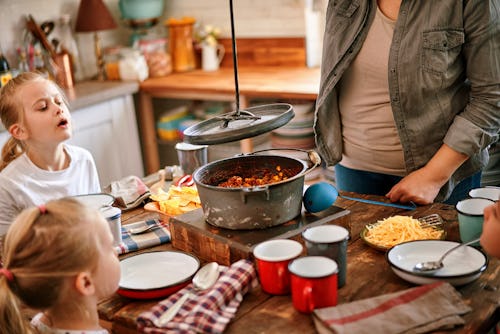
{"x":481,"y":117}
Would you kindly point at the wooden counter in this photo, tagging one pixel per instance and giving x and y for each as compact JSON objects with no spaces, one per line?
{"x":368,"y":275}
{"x":278,"y":83}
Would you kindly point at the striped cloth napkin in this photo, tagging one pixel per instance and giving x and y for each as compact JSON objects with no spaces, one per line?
{"x":152,"y":238}
{"x":211,"y":310}
{"x":422,"y":309}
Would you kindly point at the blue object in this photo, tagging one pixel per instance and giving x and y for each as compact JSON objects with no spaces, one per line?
{"x":322,"y":195}
{"x":319,"y":196}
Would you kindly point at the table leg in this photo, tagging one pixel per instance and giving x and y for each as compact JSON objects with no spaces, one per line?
{"x":148,"y":133}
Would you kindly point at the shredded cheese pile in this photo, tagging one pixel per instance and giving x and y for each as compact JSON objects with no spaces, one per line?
{"x":397,"y":229}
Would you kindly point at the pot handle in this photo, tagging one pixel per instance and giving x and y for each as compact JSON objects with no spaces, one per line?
{"x":245,"y":192}
{"x":312,"y":156}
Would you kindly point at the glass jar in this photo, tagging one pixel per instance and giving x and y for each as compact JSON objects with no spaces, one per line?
{"x":180,"y":34}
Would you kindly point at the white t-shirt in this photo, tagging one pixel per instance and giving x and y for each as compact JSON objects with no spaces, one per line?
{"x":23,"y":184}
{"x":44,"y":329}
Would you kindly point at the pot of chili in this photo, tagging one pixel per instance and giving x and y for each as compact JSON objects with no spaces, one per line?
{"x":253,"y":191}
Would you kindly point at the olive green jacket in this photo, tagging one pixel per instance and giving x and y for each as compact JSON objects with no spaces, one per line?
{"x":444,"y":78}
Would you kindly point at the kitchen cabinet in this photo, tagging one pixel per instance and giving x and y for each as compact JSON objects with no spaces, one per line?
{"x":104,"y":122}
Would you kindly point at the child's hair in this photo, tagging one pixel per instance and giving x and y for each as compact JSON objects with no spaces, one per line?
{"x":11,"y":112}
{"x":44,"y":246}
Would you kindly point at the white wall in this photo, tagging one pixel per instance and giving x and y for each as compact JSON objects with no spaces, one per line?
{"x":253,"y":18}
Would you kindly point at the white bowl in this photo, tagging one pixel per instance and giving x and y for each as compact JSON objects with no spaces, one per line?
{"x":461,"y":266}
{"x":492,"y":193}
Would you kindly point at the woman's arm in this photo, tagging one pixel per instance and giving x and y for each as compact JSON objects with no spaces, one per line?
{"x":423,"y":185}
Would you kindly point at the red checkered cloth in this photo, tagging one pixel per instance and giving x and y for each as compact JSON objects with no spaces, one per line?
{"x":211,"y":311}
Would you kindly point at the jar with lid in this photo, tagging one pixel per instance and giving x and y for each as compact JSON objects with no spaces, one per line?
{"x":180,"y":34}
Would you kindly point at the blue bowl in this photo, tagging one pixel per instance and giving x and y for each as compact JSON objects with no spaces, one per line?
{"x":141,"y":9}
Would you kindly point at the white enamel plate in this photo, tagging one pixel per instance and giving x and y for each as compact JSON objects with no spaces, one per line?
{"x":156,"y":274}
{"x":460,"y":267}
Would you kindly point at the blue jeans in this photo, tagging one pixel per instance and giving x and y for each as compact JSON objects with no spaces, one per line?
{"x":363,"y":182}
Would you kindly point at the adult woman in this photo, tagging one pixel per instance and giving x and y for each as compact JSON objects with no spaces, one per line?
{"x":409,"y":96}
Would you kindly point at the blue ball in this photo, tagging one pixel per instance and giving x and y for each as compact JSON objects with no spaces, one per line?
{"x":319,"y":196}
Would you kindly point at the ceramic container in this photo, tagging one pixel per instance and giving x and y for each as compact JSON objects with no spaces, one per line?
{"x":471,"y":217}
{"x":329,"y":241}
{"x":314,"y":283}
{"x":492,"y":193}
{"x":272,"y":258}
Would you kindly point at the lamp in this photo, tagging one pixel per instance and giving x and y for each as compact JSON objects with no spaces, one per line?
{"x":94,"y":16}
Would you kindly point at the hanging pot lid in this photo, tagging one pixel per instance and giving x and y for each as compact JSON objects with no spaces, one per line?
{"x":233,"y":126}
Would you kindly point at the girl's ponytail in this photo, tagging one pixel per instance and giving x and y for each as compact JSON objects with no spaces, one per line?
{"x":12,"y":320}
{"x":12,"y":149}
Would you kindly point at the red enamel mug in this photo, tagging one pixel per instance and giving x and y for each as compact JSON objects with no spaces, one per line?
{"x":272,"y":258}
{"x":313,"y":282}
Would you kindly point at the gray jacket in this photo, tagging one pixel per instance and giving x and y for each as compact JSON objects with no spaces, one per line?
{"x":444,"y":78}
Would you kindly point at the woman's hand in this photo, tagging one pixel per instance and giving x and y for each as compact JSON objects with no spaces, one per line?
{"x":419,"y":187}
{"x":423,"y":185}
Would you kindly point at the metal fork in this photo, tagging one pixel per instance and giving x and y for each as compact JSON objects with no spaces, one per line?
{"x":144,"y":229}
{"x":431,"y":220}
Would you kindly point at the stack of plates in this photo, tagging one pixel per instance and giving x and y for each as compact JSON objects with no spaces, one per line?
{"x":298,"y":133}
{"x":461,"y":266}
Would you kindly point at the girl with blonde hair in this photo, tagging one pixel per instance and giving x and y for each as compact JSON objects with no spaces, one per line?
{"x":58,"y":259}
{"x":36,"y":165}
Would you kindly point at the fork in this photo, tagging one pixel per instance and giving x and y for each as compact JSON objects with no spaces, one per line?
{"x":144,"y":229}
{"x":431,"y":220}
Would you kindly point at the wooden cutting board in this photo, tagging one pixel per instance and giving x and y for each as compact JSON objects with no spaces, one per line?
{"x":190,"y":233}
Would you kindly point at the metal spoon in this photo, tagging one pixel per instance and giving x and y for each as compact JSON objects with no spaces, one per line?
{"x":432,"y":266}
{"x":204,"y":279}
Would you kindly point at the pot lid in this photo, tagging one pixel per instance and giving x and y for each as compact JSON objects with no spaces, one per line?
{"x":233,"y":126}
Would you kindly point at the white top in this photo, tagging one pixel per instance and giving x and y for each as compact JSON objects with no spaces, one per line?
{"x":23,"y":184}
{"x":44,"y":329}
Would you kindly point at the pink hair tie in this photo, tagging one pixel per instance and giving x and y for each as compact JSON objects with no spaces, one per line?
{"x":42,"y":208}
{"x":7,"y":273}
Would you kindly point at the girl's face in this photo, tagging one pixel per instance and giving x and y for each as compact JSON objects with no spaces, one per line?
{"x":491,"y":230}
{"x":46,"y":117}
{"x":107,"y":273}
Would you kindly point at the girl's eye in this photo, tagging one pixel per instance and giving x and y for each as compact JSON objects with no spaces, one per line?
{"x":42,"y":106}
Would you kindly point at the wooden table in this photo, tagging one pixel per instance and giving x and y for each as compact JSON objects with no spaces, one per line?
{"x":368,"y":275}
{"x":278,"y":83}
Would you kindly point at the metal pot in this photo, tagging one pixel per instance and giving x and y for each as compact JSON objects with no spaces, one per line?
{"x":253,"y":207}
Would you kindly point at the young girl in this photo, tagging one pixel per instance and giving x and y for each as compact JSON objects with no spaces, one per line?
{"x":36,"y":166}
{"x":491,"y":230}
{"x":58,"y":259}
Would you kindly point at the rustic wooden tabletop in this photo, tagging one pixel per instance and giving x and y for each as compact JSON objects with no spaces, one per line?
{"x":368,"y":275}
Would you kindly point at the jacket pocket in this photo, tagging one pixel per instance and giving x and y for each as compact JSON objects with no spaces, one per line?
{"x":441,"y":48}
{"x":346,"y":7}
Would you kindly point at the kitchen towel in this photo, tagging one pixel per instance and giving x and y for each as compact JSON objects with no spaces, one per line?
{"x":129,"y":192}
{"x":422,"y":309}
{"x":152,"y":238}
{"x":211,"y":310}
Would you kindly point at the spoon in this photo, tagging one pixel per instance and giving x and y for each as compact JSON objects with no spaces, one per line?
{"x":432,"y":266}
{"x":320,"y":196}
{"x":204,"y":279}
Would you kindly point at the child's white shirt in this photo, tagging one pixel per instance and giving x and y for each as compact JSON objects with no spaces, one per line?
{"x":23,"y":184}
{"x":44,"y":329}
